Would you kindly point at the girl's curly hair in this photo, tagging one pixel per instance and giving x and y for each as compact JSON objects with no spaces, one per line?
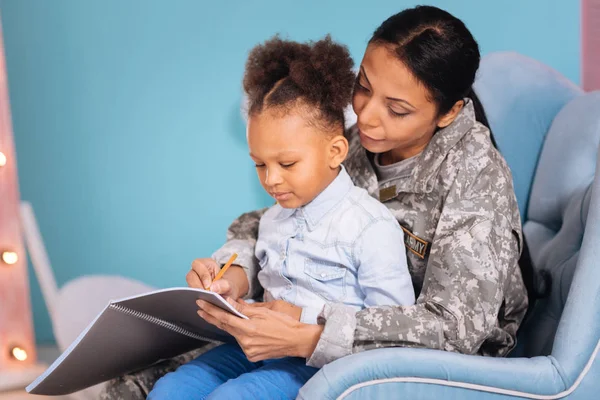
{"x":284,"y":74}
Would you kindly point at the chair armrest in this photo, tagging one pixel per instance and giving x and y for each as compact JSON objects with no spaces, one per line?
{"x":496,"y":375}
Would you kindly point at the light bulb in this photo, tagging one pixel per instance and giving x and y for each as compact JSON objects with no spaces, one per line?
{"x":2,"y":159}
{"x":10,"y":257}
{"x":19,"y":354}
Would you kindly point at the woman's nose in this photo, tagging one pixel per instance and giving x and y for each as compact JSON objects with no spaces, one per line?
{"x":367,"y":116}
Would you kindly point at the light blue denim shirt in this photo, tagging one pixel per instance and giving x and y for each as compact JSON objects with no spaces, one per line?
{"x":344,"y":246}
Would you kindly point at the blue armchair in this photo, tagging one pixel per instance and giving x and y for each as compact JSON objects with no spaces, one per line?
{"x":549,"y":132}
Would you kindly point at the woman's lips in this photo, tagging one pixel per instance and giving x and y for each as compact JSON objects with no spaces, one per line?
{"x":366,"y":138}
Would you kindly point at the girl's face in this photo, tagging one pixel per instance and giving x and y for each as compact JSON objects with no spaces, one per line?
{"x":395,"y":113}
{"x":295,"y":160}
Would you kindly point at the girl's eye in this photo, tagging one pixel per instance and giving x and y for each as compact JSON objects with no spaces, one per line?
{"x":259,"y":165}
{"x":287,"y":165}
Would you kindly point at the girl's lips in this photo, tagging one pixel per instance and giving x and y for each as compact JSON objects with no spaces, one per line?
{"x":281,"y":196}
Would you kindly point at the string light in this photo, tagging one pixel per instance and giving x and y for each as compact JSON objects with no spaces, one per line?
{"x":10,"y":257}
{"x":18,"y":353}
{"x":2,"y":159}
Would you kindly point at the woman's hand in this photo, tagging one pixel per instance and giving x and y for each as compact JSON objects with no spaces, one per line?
{"x":280,"y":306}
{"x":266,"y":334}
{"x":234,"y":282}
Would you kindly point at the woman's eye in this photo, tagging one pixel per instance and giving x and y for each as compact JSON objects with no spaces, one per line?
{"x":259,"y":165}
{"x":360,"y":86}
{"x":397,"y":114}
{"x":287,"y":165}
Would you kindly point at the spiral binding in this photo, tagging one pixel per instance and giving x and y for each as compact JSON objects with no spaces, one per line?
{"x":160,"y":322}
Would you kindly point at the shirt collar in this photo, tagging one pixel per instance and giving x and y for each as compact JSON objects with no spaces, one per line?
{"x":426,"y":169}
{"x":321,"y":205}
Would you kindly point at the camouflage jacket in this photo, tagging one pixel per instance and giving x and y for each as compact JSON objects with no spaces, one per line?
{"x":463,"y":240}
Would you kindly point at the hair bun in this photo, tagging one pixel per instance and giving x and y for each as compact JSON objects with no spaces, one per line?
{"x":270,"y":62}
{"x":320,"y":73}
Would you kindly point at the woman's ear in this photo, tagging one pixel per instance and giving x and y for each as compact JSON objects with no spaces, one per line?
{"x":338,"y":150}
{"x":451,"y":115}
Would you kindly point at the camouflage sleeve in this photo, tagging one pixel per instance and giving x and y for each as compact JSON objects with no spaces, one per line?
{"x":241,"y":239}
{"x":468,"y":268}
{"x":338,"y":334}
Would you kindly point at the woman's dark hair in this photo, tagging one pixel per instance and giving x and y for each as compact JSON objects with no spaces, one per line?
{"x":442,"y":54}
{"x":282,"y":74}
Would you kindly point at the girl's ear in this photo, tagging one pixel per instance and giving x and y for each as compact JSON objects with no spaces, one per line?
{"x":338,"y":150}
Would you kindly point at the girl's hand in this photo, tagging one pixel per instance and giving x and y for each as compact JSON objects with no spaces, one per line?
{"x":266,"y":334}
{"x":233,"y":284}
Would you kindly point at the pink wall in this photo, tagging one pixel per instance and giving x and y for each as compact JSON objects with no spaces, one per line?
{"x":15,"y":310}
{"x":590,"y":36}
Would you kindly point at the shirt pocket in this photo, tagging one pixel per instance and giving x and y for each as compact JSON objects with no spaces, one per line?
{"x":325,"y":279}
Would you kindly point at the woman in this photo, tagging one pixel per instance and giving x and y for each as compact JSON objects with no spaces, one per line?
{"x":422,"y":146}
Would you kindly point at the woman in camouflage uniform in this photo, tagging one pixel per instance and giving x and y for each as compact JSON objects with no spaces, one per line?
{"x":422,"y":146}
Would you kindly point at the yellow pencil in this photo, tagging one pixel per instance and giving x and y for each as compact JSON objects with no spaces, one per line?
{"x":225,"y":267}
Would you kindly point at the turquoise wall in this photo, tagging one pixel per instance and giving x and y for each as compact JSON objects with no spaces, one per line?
{"x":126,"y":114}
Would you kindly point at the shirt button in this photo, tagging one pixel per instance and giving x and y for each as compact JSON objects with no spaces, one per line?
{"x":323,"y":275}
{"x":289,"y":287}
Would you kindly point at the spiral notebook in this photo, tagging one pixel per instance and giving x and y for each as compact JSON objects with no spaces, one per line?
{"x":131,"y":334}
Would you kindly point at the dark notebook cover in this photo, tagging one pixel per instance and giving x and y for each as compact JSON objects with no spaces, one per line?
{"x":131,"y":334}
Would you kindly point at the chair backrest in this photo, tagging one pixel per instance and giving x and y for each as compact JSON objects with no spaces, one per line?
{"x":549,"y":132}
{"x":558,"y":210}
{"x":576,"y":346}
{"x":522,"y":98}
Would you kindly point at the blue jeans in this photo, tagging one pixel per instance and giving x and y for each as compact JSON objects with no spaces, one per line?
{"x":225,"y":373}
